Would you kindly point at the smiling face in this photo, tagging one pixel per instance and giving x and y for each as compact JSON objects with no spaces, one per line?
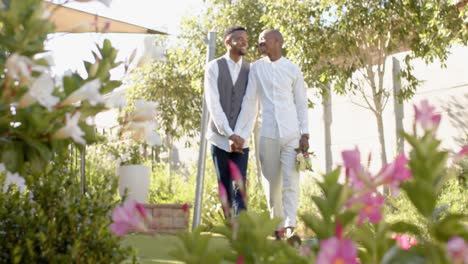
{"x":268,"y":43}
{"x":237,"y":42}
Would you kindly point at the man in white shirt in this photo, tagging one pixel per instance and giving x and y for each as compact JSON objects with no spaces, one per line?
{"x":277,"y":86}
{"x":225,"y":84}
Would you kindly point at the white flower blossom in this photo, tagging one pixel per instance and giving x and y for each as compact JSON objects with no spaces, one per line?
{"x":40,"y":91}
{"x":145,"y":131}
{"x":19,"y":67}
{"x":151,"y":52}
{"x":47,"y":56}
{"x":89,"y":91}
{"x":12,"y":178}
{"x":71,"y":129}
{"x":144,"y":111}
{"x":116,"y":100}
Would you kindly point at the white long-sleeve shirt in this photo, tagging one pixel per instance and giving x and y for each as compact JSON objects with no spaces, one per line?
{"x":278,"y":88}
{"x":214,"y":104}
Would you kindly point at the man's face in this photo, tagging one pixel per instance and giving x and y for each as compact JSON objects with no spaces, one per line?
{"x":266,"y":43}
{"x":239,"y":42}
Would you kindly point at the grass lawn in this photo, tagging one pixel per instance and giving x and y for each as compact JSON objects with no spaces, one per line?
{"x":157,"y":249}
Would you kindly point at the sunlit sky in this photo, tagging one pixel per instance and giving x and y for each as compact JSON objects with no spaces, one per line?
{"x":69,"y":50}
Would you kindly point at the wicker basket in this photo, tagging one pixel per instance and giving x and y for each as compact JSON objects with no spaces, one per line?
{"x":169,"y":218}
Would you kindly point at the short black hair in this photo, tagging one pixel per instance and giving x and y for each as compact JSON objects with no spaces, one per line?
{"x":233,"y":29}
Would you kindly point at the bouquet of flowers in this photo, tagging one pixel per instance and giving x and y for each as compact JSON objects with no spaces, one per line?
{"x":303,"y":159}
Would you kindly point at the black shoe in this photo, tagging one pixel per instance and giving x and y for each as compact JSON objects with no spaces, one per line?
{"x":292,"y":238}
{"x":277,"y":235}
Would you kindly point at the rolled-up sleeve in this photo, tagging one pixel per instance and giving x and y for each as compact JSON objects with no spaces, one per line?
{"x":212,"y":100}
{"x":300,"y":98}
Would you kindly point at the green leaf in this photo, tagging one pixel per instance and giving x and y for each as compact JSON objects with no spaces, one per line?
{"x":323,"y":206}
{"x":70,"y":84}
{"x":13,"y":156}
{"x":422,"y":196}
{"x":452,"y":225}
{"x":321,"y":228}
{"x":403,"y":227}
{"x":346,"y":217}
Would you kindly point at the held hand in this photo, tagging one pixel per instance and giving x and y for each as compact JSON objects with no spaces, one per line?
{"x":304,"y":142}
{"x":235,"y":148}
{"x":237,"y":143}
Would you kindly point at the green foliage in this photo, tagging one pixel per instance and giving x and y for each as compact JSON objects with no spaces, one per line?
{"x":432,"y":208}
{"x":194,"y":249}
{"x":54,"y":222}
{"x":348,"y":44}
{"x":171,"y":83}
{"x":249,"y":240}
{"x":28,"y":131}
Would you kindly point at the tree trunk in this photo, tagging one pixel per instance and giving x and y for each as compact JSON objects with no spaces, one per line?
{"x":327,"y":119}
{"x":169,"y":160}
{"x":380,"y":127}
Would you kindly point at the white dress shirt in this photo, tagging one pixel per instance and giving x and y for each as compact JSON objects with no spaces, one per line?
{"x":214,"y":105}
{"x":278,"y":88}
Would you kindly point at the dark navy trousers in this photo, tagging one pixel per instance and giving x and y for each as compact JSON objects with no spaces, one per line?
{"x":220,"y":159}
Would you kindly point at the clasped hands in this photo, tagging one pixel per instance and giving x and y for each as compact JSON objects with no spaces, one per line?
{"x":237,"y":143}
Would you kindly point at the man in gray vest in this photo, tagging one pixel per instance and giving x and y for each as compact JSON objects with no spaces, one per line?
{"x":225,"y":84}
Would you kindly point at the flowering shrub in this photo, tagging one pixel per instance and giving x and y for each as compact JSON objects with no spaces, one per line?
{"x":351,"y":225}
{"x":41,"y":114}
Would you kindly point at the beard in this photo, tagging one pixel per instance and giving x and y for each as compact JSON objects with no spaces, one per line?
{"x":242,"y":51}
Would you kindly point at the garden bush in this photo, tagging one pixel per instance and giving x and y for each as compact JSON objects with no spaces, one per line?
{"x":54,"y":222}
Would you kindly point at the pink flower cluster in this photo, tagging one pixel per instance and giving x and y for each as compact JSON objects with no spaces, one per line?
{"x":131,"y":216}
{"x":457,"y":249}
{"x":236,"y":177}
{"x":365,"y":184}
{"x":425,"y":116}
{"x":337,"y":250}
{"x":405,"y":241}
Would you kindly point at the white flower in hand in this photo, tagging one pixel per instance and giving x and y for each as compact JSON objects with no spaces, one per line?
{"x":144,"y":111}
{"x":40,"y":91}
{"x":89,"y":91}
{"x":71,"y":129}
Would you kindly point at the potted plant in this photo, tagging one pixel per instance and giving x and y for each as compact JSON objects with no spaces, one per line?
{"x":129,"y":148}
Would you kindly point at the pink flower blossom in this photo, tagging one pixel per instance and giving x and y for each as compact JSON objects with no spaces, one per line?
{"x":457,"y":249}
{"x":236,"y":176}
{"x":240,"y":259}
{"x":395,"y":173}
{"x":185,"y":208}
{"x":405,"y":241}
{"x":334,"y":250}
{"x":425,"y":115}
{"x":372,"y":208}
{"x":131,"y":216}
{"x":223,"y":198}
{"x":461,"y":154}
{"x":356,"y":174}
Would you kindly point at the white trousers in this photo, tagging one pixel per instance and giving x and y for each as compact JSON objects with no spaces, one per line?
{"x":280,"y":178}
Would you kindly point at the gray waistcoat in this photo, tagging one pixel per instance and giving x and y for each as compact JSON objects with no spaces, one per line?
{"x":231,"y":95}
